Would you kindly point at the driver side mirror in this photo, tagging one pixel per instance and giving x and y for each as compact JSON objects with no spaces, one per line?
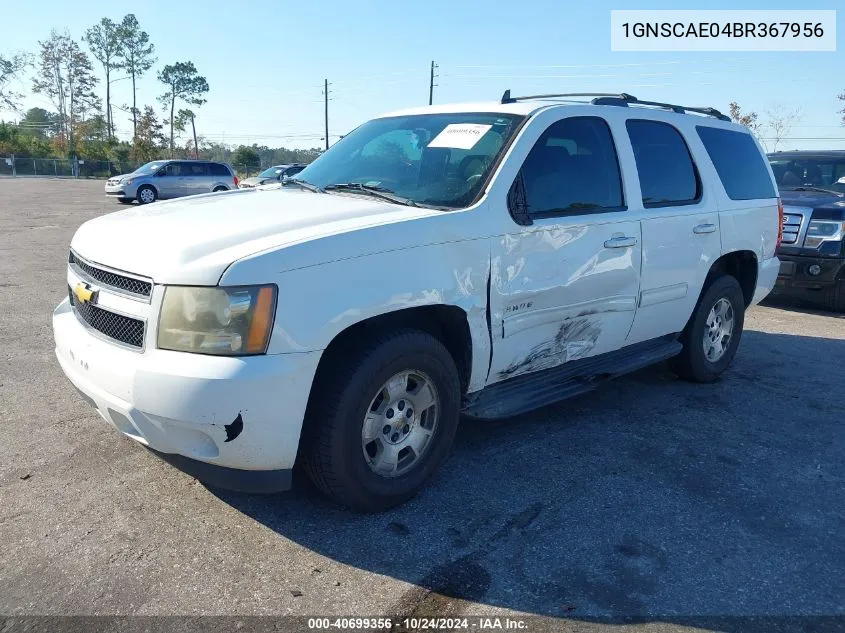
{"x":517,"y":203}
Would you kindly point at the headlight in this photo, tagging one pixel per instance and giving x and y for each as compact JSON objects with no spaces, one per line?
{"x":128,"y":181}
{"x":824,"y":231}
{"x":232,"y":321}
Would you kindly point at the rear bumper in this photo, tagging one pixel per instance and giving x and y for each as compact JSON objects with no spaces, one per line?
{"x":766,"y":276}
{"x":795,"y":276}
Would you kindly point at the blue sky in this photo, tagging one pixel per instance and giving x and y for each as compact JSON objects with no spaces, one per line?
{"x":266,"y":61}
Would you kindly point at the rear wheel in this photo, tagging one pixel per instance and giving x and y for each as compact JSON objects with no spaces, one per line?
{"x":220,"y":188}
{"x":712,"y":335}
{"x":147,"y":194}
{"x":834,"y":298}
{"x":381,"y":420}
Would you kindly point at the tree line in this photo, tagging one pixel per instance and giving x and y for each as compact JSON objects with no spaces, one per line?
{"x":777,"y":124}
{"x":81,"y":125}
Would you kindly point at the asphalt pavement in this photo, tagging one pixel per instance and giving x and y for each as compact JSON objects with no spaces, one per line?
{"x":651,"y":504}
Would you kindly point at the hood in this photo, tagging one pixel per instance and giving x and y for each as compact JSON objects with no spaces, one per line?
{"x":254,"y":181}
{"x":809,"y":198}
{"x":120,"y":177}
{"x":193,"y":240}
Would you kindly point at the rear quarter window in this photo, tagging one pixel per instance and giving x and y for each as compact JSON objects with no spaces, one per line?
{"x":219,"y":170}
{"x":667,"y":174}
{"x":739,"y":163}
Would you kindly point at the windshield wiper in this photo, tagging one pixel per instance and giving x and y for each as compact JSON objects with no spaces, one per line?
{"x":371,"y":190}
{"x":302,"y":183}
{"x":819,"y":189}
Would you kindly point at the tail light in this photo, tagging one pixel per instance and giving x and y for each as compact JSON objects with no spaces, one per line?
{"x":236,"y":184}
{"x":780,"y":222}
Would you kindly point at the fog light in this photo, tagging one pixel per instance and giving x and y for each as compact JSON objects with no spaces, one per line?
{"x":814,"y":269}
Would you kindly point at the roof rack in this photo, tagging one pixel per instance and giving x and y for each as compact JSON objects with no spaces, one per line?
{"x":621,"y":99}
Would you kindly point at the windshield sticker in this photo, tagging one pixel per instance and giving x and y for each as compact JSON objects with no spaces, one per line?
{"x":460,"y":135}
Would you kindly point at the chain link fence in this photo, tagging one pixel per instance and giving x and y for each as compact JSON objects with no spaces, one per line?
{"x":63,"y":167}
{"x":70,"y":168}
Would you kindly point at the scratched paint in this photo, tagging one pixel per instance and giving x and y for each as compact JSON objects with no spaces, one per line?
{"x":574,"y":339}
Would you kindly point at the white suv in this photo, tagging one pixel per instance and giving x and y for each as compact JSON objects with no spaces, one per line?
{"x":484,"y":259}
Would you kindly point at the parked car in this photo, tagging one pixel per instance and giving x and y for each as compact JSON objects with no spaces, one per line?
{"x":272,"y":174}
{"x":812,"y":254}
{"x":486,"y":259}
{"x":162,"y":179}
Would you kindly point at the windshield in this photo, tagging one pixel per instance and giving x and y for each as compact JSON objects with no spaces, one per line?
{"x":150,"y":168}
{"x":819,"y":171}
{"x":272,"y":172}
{"x":430,"y":159}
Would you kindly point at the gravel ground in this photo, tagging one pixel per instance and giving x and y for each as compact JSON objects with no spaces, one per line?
{"x":672,"y":505}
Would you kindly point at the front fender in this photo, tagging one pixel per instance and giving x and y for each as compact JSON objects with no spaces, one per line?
{"x":319,"y":302}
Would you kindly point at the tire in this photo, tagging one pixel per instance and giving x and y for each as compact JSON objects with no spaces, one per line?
{"x":693,"y":363}
{"x":834,"y":298}
{"x":146,"y":194}
{"x":337,"y":456}
{"x":220,"y":188}
{"x":125,"y":200}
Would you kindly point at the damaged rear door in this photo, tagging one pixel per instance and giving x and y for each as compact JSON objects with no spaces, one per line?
{"x":565,"y":279}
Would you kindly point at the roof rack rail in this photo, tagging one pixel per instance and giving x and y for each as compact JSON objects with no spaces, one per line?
{"x":622,"y":99}
{"x":507,"y":98}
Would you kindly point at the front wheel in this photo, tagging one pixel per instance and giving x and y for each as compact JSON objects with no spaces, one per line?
{"x":834,"y":297}
{"x":146,"y":195}
{"x":381,"y":420}
{"x":712,"y":335}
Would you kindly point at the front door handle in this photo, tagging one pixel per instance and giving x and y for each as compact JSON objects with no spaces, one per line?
{"x":620,"y":242}
{"x":704,"y":228}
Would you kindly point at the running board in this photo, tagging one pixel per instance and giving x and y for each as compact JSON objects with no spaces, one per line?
{"x":538,"y":389}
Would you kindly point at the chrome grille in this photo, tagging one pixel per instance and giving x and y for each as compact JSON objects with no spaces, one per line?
{"x":114,"y":280}
{"x":791,"y":227}
{"x":117,"y":327}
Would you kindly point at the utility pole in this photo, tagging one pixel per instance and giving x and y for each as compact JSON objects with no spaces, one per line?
{"x":194,"y":129}
{"x":326,"y":93}
{"x":431,"y":84}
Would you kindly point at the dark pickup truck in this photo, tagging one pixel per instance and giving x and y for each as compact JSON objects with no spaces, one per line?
{"x":812,"y":253}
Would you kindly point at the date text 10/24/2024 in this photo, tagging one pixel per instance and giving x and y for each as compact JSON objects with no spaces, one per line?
{"x":418,"y":624}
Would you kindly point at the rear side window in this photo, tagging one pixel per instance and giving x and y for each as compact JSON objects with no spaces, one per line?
{"x":667,"y":174}
{"x":194,"y":169}
{"x":573,"y":169}
{"x":739,"y":163}
{"x":219,"y":170}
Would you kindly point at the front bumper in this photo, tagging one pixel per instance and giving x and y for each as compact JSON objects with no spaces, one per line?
{"x":233,"y":422}
{"x":120,"y":191}
{"x":795,"y":278}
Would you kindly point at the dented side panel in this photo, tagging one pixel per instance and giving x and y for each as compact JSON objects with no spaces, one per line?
{"x":559,"y":294}
{"x":319,"y":302}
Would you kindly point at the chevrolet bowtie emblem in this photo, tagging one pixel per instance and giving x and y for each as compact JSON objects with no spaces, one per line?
{"x":85,"y":293}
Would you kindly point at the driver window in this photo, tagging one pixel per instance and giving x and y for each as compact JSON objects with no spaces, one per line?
{"x":573,"y":168}
{"x":173,"y":169}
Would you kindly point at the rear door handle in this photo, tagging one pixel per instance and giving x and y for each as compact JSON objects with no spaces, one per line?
{"x":620,"y":242}
{"x":704,"y":228}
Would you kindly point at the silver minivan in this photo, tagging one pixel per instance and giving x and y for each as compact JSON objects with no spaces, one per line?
{"x":171,"y":179}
